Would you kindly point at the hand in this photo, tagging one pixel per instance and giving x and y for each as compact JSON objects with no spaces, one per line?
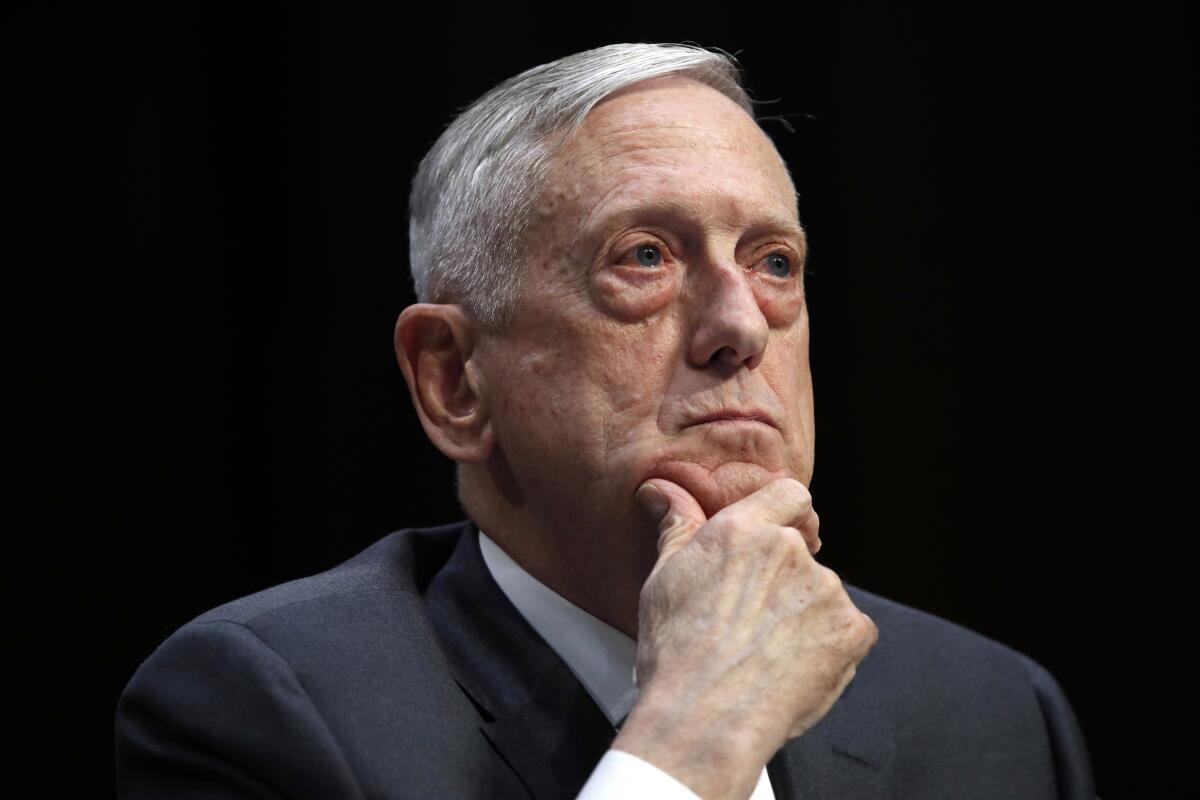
{"x":744,"y":639}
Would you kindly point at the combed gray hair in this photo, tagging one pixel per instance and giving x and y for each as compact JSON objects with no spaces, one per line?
{"x":474,"y":191}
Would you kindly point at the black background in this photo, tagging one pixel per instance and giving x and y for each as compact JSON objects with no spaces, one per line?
{"x":207,"y":234}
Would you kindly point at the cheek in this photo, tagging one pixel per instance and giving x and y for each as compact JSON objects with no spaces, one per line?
{"x":594,"y":374}
{"x":789,"y":372}
{"x":634,"y":366}
{"x":786,"y":370}
{"x":617,"y":384}
{"x":530,"y":389}
{"x":629,"y":296}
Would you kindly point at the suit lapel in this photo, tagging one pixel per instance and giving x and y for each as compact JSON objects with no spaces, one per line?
{"x":847,"y":755}
{"x":535,"y":713}
{"x":555,"y":741}
{"x":551,"y":734}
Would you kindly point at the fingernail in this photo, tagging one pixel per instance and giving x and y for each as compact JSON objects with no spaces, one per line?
{"x":652,"y":501}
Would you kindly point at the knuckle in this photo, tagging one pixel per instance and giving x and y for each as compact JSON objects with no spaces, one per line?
{"x":845,"y":636}
{"x":801,"y":494}
{"x":872,"y":632}
{"x":794,"y":492}
{"x":851,"y":632}
{"x":792,"y":539}
{"x":828,"y":581}
{"x":863,"y":629}
{"x":863,"y":633}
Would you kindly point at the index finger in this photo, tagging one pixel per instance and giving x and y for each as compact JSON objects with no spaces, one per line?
{"x":784,"y":501}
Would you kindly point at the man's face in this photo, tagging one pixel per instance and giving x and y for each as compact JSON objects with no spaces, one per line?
{"x":662,"y":330}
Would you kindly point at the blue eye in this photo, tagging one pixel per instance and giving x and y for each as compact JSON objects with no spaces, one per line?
{"x":648,"y":255}
{"x":778,"y":265}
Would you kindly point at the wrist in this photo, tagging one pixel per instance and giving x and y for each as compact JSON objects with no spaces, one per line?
{"x":713,"y":759}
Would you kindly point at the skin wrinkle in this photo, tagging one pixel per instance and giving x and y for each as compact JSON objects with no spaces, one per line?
{"x":734,"y":209}
{"x":582,"y":156}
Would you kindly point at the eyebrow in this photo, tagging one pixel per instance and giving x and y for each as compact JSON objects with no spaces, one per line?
{"x":658,"y":209}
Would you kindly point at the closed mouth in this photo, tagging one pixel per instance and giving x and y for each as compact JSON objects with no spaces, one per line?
{"x":734,"y":416}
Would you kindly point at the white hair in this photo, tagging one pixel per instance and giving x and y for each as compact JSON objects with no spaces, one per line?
{"x":473,"y":193}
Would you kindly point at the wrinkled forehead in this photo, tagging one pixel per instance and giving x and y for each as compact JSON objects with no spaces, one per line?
{"x":671,"y":136}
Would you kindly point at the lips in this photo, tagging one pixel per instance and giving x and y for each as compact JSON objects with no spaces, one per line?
{"x":735,"y":415}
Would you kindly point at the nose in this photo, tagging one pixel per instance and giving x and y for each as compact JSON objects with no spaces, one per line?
{"x":730,"y":327}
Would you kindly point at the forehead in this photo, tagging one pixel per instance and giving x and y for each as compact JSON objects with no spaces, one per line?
{"x":674,"y":140}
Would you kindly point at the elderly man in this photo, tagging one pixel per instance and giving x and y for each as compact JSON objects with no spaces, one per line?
{"x":612,"y":344}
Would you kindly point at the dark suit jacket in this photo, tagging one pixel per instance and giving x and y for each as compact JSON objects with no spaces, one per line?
{"x":405,"y":672}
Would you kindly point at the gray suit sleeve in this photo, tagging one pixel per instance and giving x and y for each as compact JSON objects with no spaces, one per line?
{"x":1072,"y":767}
{"x":216,"y":713}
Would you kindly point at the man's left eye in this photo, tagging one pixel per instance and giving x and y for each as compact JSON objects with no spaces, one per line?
{"x":778,"y":265}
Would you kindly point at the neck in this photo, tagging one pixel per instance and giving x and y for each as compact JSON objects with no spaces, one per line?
{"x":597,"y":561}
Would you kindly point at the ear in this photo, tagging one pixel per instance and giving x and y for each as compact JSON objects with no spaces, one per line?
{"x":434,"y":343}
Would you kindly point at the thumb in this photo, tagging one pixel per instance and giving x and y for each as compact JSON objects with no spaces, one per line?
{"x":675,"y":512}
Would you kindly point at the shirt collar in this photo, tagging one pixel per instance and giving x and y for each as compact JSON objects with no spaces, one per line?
{"x":599,"y":655}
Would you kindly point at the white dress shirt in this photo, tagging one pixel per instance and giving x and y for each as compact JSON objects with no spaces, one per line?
{"x":602,"y":658}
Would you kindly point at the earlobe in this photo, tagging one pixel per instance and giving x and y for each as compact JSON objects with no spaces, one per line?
{"x":434,"y":344}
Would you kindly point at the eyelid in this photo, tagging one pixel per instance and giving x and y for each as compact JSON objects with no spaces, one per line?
{"x":796,"y":260}
{"x":626,"y":252}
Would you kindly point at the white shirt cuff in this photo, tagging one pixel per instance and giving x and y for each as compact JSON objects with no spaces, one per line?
{"x":624,"y":775}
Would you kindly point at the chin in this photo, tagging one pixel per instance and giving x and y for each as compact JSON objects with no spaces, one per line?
{"x":720,"y":486}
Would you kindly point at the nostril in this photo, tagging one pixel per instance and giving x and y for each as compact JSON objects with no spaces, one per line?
{"x":726,"y":355}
